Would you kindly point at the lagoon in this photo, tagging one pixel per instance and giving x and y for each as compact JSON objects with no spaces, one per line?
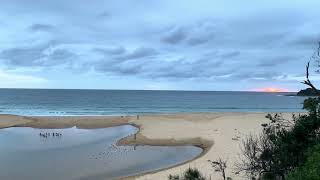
{"x":72,"y":153}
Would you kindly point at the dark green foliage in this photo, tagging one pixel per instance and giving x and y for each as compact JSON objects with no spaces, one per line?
{"x":189,"y":174}
{"x":291,"y":140}
{"x":310,"y":170}
{"x":283,"y":145}
{"x":193,"y":174}
{"x":173,"y":177}
{"x":269,"y":176}
{"x":308,"y":92}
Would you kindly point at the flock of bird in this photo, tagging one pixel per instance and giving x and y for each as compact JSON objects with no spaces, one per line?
{"x":110,"y":152}
{"x":49,"y":134}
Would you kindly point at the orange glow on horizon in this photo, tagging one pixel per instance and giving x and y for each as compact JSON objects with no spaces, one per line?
{"x":271,"y":90}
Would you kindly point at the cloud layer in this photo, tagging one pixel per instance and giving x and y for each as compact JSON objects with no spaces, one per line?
{"x":208,"y":45}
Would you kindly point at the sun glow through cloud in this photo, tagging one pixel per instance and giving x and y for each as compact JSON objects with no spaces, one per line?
{"x":271,"y":90}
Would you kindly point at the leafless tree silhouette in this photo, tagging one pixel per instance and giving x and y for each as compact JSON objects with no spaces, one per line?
{"x":316,"y":57}
{"x":220,"y":165}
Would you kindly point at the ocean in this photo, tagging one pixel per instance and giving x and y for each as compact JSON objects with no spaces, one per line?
{"x":132,"y":102}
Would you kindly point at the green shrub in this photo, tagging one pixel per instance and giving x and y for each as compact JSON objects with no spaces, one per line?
{"x":310,"y":170}
{"x":174,"y":177}
{"x":283,"y":145}
{"x":193,"y":174}
{"x":189,"y":174}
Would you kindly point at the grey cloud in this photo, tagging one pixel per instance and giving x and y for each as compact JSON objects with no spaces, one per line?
{"x":122,"y":54}
{"x":61,"y":54}
{"x":40,"y":55}
{"x":197,"y":40}
{"x":192,"y":34}
{"x":202,"y":32}
{"x":104,"y":14}
{"x":230,"y":54}
{"x":256,"y":75}
{"x":210,"y":65}
{"x":272,"y":61}
{"x":175,"y":36}
{"x":125,"y":63}
{"x":138,"y":53}
{"x":42,"y":27}
{"x":156,"y":67}
{"x":246,"y":40}
{"x":307,"y":40}
{"x":178,"y":70}
{"x":28,"y":56}
{"x":119,"y":68}
{"x":111,"y":51}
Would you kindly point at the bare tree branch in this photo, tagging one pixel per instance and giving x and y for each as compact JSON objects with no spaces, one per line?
{"x":308,"y":82}
{"x":220,"y":165}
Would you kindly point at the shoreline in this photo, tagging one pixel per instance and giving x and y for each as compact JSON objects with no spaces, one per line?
{"x":218,"y":134}
{"x":285,"y":110}
{"x":130,"y":141}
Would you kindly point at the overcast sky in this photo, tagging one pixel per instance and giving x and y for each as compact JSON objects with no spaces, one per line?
{"x":157,"y":44}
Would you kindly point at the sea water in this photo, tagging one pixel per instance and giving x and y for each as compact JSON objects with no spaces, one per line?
{"x":125,"y":102}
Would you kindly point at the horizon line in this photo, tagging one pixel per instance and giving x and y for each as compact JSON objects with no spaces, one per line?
{"x":150,"y":90}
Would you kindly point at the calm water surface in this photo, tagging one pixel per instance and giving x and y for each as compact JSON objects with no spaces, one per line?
{"x":81,"y":154}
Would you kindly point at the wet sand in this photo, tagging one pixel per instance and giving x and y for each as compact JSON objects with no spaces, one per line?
{"x":219,"y":134}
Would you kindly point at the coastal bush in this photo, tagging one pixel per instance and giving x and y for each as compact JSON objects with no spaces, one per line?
{"x":189,"y":174}
{"x":283,"y":144}
{"x":174,"y":177}
{"x":193,"y":174}
{"x":310,"y":170}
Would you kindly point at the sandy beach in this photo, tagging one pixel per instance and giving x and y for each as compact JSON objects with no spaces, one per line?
{"x":219,"y":134}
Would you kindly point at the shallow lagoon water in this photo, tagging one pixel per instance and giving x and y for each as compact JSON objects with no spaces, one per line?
{"x":81,"y":154}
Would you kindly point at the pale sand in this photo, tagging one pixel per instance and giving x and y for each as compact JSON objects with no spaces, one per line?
{"x":219,"y":134}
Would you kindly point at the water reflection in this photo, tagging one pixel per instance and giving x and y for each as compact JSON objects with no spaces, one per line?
{"x":72,"y":153}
